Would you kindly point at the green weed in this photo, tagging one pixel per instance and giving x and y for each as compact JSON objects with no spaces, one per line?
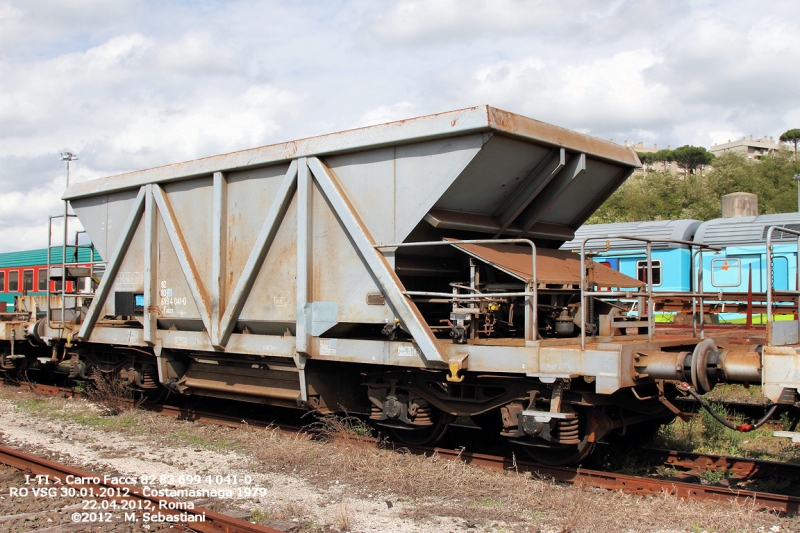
{"x":489,"y":502}
{"x":788,"y":422}
{"x":34,"y":405}
{"x":714,"y":476}
{"x":257,"y":515}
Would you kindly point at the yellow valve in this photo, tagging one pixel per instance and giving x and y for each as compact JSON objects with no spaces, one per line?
{"x":493,"y":307}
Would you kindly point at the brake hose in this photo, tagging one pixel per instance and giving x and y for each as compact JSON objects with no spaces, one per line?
{"x":744,"y":428}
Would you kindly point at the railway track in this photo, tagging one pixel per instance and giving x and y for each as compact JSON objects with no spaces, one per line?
{"x":691,"y":463}
{"x":735,"y":466}
{"x":105,"y":502}
{"x":628,"y":483}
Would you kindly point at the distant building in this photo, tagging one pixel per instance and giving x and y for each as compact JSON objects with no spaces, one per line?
{"x":640,"y":147}
{"x":749,"y":148}
{"x":753,"y":149}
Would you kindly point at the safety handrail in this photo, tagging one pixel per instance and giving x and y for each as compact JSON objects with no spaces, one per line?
{"x":64,"y":265}
{"x":531,"y":295}
{"x":648,"y":284}
{"x":770,"y":291}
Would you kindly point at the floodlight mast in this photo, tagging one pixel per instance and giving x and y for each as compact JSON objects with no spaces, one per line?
{"x":68,"y":157}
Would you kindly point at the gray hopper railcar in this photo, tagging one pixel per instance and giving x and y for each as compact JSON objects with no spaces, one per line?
{"x":408,"y":271}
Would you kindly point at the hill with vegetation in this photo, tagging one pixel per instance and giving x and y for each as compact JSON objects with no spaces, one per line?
{"x":661,"y":195}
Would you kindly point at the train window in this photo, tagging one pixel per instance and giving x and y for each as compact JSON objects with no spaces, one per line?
{"x":2,"y":281}
{"x":13,"y":280}
{"x":42,"y":276}
{"x":641,"y":271}
{"x":780,"y":273}
{"x":726,"y":272}
{"x":27,"y":280}
{"x":612,"y":263}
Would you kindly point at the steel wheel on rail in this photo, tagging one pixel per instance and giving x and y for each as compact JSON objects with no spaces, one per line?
{"x":422,"y":435}
{"x":576,"y":445}
{"x":154,"y":395}
{"x":558,"y":454}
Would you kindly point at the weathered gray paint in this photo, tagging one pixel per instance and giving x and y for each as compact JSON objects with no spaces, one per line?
{"x":483,"y":119}
{"x":267,"y":250}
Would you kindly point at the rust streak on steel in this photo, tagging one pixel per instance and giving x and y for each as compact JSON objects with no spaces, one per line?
{"x":215,"y":522}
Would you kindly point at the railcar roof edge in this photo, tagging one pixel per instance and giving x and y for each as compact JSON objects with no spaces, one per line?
{"x":447,"y":124}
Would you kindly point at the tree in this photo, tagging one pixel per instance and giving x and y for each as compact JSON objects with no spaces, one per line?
{"x":792,"y":136}
{"x":664,"y":156}
{"x":647,"y":159}
{"x":657,"y":195}
{"x":689,"y":158}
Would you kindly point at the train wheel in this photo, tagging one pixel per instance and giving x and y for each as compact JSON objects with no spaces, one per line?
{"x":558,"y":454}
{"x":423,"y":435}
{"x":154,"y":395}
{"x":572,"y":441}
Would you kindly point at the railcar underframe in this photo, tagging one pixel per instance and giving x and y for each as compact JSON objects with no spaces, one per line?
{"x":405,"y":271}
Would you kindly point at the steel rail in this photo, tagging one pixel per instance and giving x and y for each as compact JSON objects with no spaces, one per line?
{"x":592,"y":478}
{"x":623,"y":482}
{"x":215,"y":522}
{"x":737,"y":466}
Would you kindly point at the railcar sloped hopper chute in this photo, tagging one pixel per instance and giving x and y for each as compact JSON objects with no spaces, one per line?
{"x":317,"y":274}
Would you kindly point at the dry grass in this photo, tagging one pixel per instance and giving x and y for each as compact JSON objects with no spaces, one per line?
{"x":341,"y":519}
{"x":425,"y":489}
{"x":113,"y":395}
{"x":437,"y":487}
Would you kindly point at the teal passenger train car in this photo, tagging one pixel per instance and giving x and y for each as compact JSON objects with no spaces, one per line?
{"x":25,"y":273}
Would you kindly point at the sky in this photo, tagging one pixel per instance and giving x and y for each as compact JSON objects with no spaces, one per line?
{"x":128,"y":85}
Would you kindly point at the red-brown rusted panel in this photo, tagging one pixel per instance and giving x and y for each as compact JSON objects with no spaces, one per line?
{"x":552,"y":266}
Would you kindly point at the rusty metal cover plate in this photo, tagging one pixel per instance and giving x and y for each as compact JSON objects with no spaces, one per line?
{"x":552,"y":266}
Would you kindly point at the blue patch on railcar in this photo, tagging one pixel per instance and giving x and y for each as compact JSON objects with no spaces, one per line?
{"x":670,"y":267}
{"x":736,"y":268}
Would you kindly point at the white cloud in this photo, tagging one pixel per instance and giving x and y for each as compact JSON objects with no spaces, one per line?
{"x":130,"y":85}
{"x":386,"y":113}
{"x":198,"y":52}
{"x":25,"y":208}
{"x":609,"y":92}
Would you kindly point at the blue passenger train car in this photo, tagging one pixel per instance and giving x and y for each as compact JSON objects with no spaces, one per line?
{"x":743,"y":241}
{"x":671,"y":262}
{"x":743,"y":252}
